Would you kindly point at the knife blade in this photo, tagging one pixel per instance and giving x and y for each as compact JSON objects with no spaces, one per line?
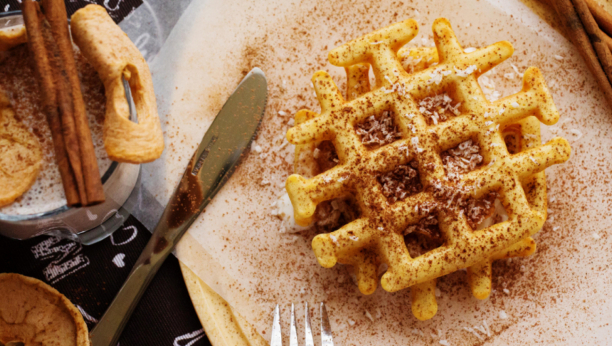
{"x":213,"y":163}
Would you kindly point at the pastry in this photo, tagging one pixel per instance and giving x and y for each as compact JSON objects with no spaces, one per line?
{"x":12,"y":37}
{"x":402,"y":163}
{"x":20,"y":155}
{"x":115,"y":58}
{"x":34,"y":313}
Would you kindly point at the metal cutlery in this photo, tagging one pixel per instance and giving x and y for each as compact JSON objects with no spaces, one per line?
{"x":213,"y":163}
{"x":326,"y":333}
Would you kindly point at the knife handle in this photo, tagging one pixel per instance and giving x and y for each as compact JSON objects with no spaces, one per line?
{"x":108,"y":330}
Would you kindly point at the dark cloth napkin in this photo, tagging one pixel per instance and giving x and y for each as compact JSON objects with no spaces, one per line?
{"x":117,"y":9}
{"x":90,"y":276}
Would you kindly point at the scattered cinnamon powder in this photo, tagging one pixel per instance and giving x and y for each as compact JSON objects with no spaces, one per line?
{"x":281,"y":274}
{"x":512,"y":137}
{"x":331,"y":215}
{"x":425,"y":235}
{"x":426,"y":239}
{"x":438,"y":108}
{"x":18,"y":81}
{"x":461,"y":159}
{"x":477,"y":210}
{"x":401,"y":182}
{"x":376,"y":132}
{"x":326,"y":156}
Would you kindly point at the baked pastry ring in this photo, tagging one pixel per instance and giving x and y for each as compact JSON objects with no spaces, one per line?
{"x":115,"y":57}
{"x":20,"y":155}
{"x":36,"y":314}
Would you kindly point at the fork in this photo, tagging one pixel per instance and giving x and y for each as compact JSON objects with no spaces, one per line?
{"x":326,"y":333}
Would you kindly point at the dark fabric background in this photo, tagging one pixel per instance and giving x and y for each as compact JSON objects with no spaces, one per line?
{"x":117,"y":9}
{"x":90,"y":276}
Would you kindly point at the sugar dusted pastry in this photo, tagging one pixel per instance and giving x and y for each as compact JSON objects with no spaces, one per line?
{"x":20,"y":155}
{"x":427,"y":159}
{"x":114,"y":56}
{"x":34,"y":313}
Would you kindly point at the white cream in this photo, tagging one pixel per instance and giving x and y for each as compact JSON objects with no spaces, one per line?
{"x":284,"y":210}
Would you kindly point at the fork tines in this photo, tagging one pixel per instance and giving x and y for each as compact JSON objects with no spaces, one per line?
{"x":326,"y":333}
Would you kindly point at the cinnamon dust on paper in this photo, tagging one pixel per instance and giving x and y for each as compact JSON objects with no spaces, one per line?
{"x":302,"y":41}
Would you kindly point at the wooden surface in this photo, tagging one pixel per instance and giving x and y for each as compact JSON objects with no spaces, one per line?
{"x":222,"y":324}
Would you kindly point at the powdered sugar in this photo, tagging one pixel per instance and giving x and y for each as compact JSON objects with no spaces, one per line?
{"x":577,"y":133}
{"x":465,"y":72}
{"x":471,"y":330}
{"x":516,"y":70}
{"x":399,"y":88}
{"x":415,"y":143}
{"x":437,"y":75}
{"x":488,"y":87}
{"x":256,"y":147}
{"x":409,"y":63}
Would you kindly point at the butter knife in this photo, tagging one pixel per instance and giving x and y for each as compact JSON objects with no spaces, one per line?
{"x":213,"y":163}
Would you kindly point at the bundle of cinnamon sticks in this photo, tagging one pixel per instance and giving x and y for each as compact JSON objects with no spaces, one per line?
{"x":589,"y":26}
{"x":60,"y":89}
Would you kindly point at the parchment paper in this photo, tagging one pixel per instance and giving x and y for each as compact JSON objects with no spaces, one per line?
{"x":557,"y":296}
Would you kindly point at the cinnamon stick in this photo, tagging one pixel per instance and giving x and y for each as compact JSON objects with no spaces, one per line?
{"x":596,"y":36}
{"x":608,"y":40}
{"x":598,"y":17}
{"x":32,"y":18}
{"x":580,"y":39}
{"x":64,"y":102}
{"x":603,"y":18}
{"x":55,"y":12}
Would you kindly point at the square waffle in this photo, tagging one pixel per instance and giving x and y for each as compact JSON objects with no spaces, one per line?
{"x":377,"y":236}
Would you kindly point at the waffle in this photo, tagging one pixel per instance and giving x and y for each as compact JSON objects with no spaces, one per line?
{"x":377,"y":235}
{"x":526,"y":134}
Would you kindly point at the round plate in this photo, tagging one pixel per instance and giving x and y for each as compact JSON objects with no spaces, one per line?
{"x":223,"y":326}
